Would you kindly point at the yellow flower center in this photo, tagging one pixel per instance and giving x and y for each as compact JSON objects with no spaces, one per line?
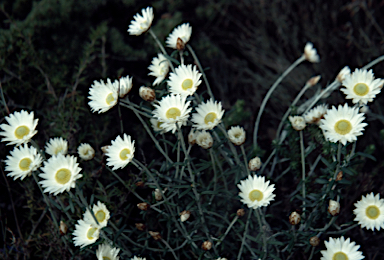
{"x":361,"y":89}
{"x":21,"y":131}
{"x":340,"y":256}
{"x":173,"y":113}
{"x":110,"y":99}
{"x":343,"y":127}
{"x":90,"y":233}
{"x":187,"y":83}
{"x":100,"y":216}
{"x":124,"y":154}
{"x":106,"y":258}
{"x":255,"y":195}
{"x":372,"y":212}
{"x":63,"y":175}
{"x":24,"y":164}
{"x":159,"y":124}
{"x":210,"y":117}
{"x":58,"y":150}
{"x":237,"y":135}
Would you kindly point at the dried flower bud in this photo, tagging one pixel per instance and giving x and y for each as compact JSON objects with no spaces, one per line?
{"x":184,"y":216}
{"x":140,"y":226}
{"x":294,"y":218}
{"x":314,"y":80}
{"x":204,"y":139}
{"x":343,"y":73}
{"x":143,"y":206}
{"x":310,"y":53}
{"x":147,"y":94}
{"x":192,"y":137}
{"x":297,"y":122}
{"x":334,"y":208}
{"x":240,"y":212}
{"x":254,"y":164}
{"x":63,"y":228}
{"x":236,"y":135}
{"x":155,"y":235}
{"x":339,"y":176}
{"x":104,"y":148}
{"x":314,"y":241}
{"x":206,"y":246}
{"x":139,"y":184}
{"x":180,"y":45}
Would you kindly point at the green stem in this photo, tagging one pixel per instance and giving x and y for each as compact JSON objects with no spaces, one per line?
{"x":215,"y":175}
{"x":244,"y":235}
{"x":302,"y":169}
{"x":265,"y":248}
{"x":227,"y":231}
{"x":245,"y":159}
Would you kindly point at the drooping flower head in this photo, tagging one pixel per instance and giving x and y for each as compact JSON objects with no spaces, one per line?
{"x":343,"y":124}
{"x":208,"y":115}
{"x":125,"y":85}
{"x":120,"y":152}
{"x":107,"y":252}
{"x":361,"y":86}
{"x":56,"y":145}
{"x":60,"y":174}
{"x":256,"y":192}
{"x":310,"y":53}
{"x":183,"y":32}
{"x":85,"y":234}
{"x":369,"y":212}
{"x":315,"y":114}
{"x":103,"y":96}
{"x":20,"y":128}
{"x":85,"y":151}
{"x":159,"y":68}
{"x":22,"y":162}
{"x":100,"y":212}
{"x":141,"y":23}
{"x":184,"y":80}
{"x":339,"y":248}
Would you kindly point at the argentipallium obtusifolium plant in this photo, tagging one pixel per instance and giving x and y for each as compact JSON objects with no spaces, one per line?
{"x":207,"y":194}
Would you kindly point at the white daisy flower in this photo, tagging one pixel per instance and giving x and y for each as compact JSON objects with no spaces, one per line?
{"x":369,"y":212}
{"x":156,"y":125}
{"x":236,"y":135}
{"x":208,"y":115}
{"x":103,"y":96}
{"x":172,"y":110}
{"x":183,"y":32}
{"x":20,"y":128}
{"x":56,"y":145}
{"x":120,"y":153}
{"x":343,"y":124}
{"x":361,"y":86}
{"x":60,"y":174}
{"x":315,"y":114}
{"x":159,"y":68}
{"x":85,"y":151}
{"x":185,"y":80}
{"x":310,"y":53}
{"x":85,"y":234}
{"x":204,"y":139}
{"x":22,"y":161}
{"x":101,"y":213}
{"x":256,"y":192}
{"x":105,"y":251}
{"x":138,"y":258}
{"x":297,"y":122}
{"x":125,"y":85}
{"x":339,"y":248}
{"x":141,"y":23}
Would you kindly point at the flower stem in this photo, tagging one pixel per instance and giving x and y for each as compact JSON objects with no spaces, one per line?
{"x":302,"y":169}
{"x":161,"y":47}
{"x":244,"y":235}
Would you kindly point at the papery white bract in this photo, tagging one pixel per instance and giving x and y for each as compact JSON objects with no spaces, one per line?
{"x":208,"y":115}
{"x":85,"y":234}
{"x":120,"y":152}
{"x":100,"y":212}
{"x":56,"y":145}
{"x":183,"y":32}
{"x":255,"y":192}
{"x":85,"y":151}
{"x":310,"y":53}
{"x":369,"y":212}
{"x":236,"y":135}
{"x":141,"y":23}
{"x":103,"y":96}
{"x":339,"y":248}
{"x":105,"y":251}
{"x":184,"y":80}
{"x":159,"y":68}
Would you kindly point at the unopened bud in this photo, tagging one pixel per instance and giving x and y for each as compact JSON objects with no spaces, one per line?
{"x":254,"y":164}
{"x":339,"y":176}
{"x":143,"y":206}
{"x":180,"y":45}
{"x":63,"y":228}
{"x":343,"y":73}
{"x":184,"y":216}
{"x":192,"y":137}
{"x":240,"y":212}
{"x":147,"y":94}
{"x":104,"y":148}
{"x":314,"y":241}
{"x":139,"y":184}
{"x":206,"y":246}
{"x":155,"y":235}
{"x":158,"y":195}
{"x":204,"y":139}
{"x":334,"y":208}
{"x":297,"y":122}
{"x":236,"y":135}
{"x":314,"y":80}
{"x":294,"y":218}
{"x":140,"y":226}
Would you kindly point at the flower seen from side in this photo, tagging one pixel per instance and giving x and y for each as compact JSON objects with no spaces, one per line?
{"x":60,"y":174}
{"x":125,"y":85}
{"x":361,"y":86}
{"x":56,"y":145}
{"x":344,"y":72}
{"x":255,"y":192}
{"x":314,"y":115}
{"x":103,"y":96}
{"x":185,"y":80}
{"x":141,"y":23}
{"x":173,"y":111}
{"x":310,"y":53}
{"x":100,"y":212}
{"x":20,"y":128}
{"x":182,"y":32}
{"x":297,"y":122}
{"x":343,"y":124}
{"x":156,"y":125}
{"x":22,"y":162}
{"x":85,"y":234}
{"x":107,"y":252}
{"x":208,"y":115}
{"x":369,"y":212}
{"x":159,"y":68}
{"x":236,"y":135}
{"x":204,"y":139}
{"x":341,"y":248}
{"x":121,"y":152}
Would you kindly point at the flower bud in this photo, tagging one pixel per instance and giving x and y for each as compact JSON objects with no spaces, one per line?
{"x":334,"y":208}
{"x":236,"y":135}
{"x":104,"y":148}
{"x":143,"y":206}
{"x":339,"y":176}
{"x":125,"y":85}
{"x":180,"y":45}
{"x":240,"y":212}
{"x":140,"y":226}
{"x":254,"y":164}
{"x":204,"y":139}
{"x":314,"y":241}
{"x":86,"y":152}
{"x":184,"y":216}
{"x":155,"y":235}
{"x":147,"y":94}
{"x":294,"y":218}
{"x":139,"y":184}
{"x":314,"y":80}
{"x":192,"y":137}
{"x":158,"y":195}
{"x":63,"y":228}
{"x":310,"y":53}
{"x":206,"y":246}
{"x":297,"y":122}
